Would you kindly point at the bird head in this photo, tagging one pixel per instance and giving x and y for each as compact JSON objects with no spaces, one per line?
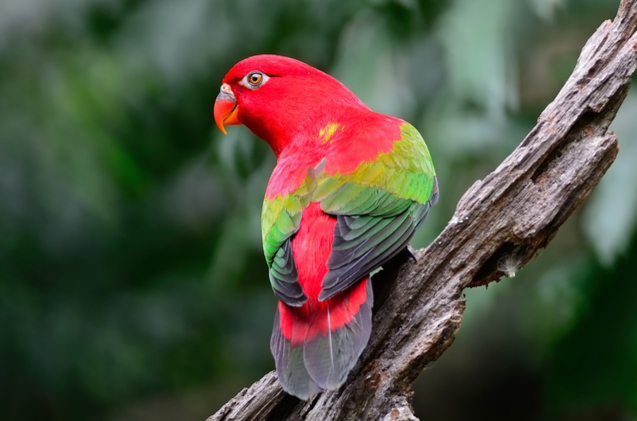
{"x":278,"y":98}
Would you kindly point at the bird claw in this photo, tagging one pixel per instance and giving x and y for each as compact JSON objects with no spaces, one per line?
{"x":411,"y":254}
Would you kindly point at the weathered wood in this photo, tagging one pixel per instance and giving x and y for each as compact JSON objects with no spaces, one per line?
{"x":511,"y":214}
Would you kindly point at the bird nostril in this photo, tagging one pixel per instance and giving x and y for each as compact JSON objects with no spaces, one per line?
{"x":225,"y":88}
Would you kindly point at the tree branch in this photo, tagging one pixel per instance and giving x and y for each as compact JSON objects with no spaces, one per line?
{"x":511,"y":214}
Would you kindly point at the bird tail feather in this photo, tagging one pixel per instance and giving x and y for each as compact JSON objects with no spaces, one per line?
{"x":315,"y":351}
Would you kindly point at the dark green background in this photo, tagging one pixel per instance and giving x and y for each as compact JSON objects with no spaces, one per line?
{"x":132,"y":282}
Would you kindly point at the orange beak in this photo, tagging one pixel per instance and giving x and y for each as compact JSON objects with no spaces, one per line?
{"x":226,"y":109}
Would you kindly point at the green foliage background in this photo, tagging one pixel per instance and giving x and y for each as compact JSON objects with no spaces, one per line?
{"x":132,"y":282}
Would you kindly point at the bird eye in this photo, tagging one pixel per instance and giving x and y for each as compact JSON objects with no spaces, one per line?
{"x":255,"y":78}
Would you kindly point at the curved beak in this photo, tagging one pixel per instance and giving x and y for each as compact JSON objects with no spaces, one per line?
{"x":226,"y":110}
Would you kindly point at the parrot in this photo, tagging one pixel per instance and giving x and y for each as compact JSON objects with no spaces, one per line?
{"x":349,"y":189}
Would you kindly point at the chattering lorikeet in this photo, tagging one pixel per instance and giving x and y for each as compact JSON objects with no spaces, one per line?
{"x":349,"y":189}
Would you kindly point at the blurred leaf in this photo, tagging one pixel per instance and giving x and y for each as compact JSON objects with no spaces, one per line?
{"x":480,"y":63}
{"x":594,"y":365}
{"x":611,"y":214}
{"x":546,"y":8}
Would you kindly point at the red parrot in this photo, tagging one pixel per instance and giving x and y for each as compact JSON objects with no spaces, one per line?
{"x":349,"y":189}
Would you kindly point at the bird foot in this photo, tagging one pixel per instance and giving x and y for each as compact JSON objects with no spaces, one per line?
{"x":411,"y":254}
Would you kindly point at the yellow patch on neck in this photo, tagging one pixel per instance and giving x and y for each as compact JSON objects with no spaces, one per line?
{"x":326,"y":133}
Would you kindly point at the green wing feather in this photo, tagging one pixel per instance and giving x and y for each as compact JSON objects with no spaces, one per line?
{"x":280,"y":220}
{"x":406,"y":172}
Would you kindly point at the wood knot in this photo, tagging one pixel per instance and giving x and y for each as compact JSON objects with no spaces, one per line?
{"x":374,"y":377}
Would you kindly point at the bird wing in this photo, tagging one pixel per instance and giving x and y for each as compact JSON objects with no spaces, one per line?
{"x":280,"y":220}
{"x":378,"y":209}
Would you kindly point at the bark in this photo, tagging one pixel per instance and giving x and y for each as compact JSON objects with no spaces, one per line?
{"x":510,"y":215}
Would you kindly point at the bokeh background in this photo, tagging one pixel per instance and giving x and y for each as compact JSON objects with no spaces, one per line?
{"x":132,"y":282}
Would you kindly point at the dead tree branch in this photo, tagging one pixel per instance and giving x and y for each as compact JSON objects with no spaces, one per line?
{"x":515,"y":211}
